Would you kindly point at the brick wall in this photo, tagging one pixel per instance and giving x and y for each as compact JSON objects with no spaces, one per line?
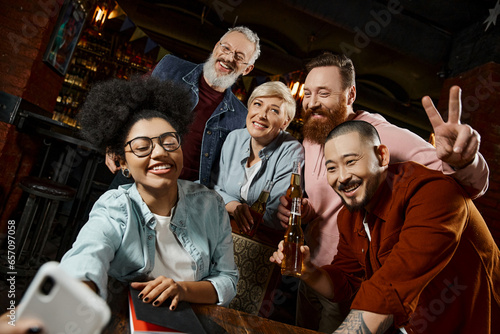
{"x":25,"y":27}
{"x":480,"y":104}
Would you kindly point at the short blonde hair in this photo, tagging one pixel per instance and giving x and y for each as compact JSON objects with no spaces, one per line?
{"x":276,"y":89}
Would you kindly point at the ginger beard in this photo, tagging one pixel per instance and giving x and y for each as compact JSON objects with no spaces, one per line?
{"x":316,"y":129}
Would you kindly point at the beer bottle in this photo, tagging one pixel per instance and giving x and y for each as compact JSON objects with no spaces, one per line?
{"x":294,"y":190}
{"x":294,"y":238}
{"x":258,"y":208}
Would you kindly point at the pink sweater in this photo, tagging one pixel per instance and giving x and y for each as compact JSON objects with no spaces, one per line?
{"x":322,"y":234}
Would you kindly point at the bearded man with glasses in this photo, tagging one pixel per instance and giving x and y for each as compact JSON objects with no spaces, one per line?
{"x":217,"y":111}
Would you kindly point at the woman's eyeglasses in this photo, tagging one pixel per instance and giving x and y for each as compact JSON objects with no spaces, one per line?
{"x":143,"y":146}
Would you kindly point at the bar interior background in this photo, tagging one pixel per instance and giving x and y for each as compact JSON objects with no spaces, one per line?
{"x":402,"y":50}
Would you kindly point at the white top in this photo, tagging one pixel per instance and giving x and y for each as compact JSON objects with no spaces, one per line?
{"x":250,"y":173}
{"x":171,"y":259}
{"x":365,"y":224}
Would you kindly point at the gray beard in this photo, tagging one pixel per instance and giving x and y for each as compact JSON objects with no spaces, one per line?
{"x":223,"y":81}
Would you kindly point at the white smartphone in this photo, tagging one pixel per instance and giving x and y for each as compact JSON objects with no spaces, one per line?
{"x":63,"y":303}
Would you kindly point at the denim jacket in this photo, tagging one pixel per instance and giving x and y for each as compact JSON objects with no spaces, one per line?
{"x":119,"y":239}
{"x":229,"y":115}
{"x":277,"y":163}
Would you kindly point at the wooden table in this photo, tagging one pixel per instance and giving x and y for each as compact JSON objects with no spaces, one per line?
{"x":215,"y":319}
{"x":232,"y":321}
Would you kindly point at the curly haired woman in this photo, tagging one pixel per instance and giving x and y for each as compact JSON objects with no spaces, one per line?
{"x":170,"y":237}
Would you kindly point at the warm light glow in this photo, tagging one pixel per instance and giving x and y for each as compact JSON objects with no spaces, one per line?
{"x":116,"y":12}
{"x":301,"y":92}
{"x":295,"y":88}
{"x":100,"y":14}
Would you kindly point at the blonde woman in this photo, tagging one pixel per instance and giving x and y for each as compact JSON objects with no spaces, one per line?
{"x":260,"y":152}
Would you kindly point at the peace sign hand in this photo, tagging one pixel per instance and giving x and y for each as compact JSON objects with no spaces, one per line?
{"x":456,"y":144}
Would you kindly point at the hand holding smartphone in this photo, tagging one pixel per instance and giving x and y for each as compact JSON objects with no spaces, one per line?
{"x":63,"y":303}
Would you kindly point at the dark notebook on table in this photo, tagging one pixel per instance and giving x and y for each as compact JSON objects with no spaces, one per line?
{"x":146,"y":318}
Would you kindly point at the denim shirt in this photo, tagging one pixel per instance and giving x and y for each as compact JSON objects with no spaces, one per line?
{"x":119,"y":239}
{"x":277,"y":163}
{"x":229,"y":115}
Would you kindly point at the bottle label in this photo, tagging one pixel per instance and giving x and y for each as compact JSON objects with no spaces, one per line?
{"x":292,"y":262}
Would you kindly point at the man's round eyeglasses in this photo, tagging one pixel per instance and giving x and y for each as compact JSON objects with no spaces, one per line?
{"x":143,"y":146}
{"x":238,"y":57}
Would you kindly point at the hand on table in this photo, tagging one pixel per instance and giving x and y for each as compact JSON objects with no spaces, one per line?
{"x":159,"y":290}
{"x":456,"y":144}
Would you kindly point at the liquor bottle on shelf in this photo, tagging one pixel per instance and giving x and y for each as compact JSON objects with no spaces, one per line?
{"x":119,"y":53}
{"x":81,"y":60}
{"x":83,"y":74}
{"x":148,"y":64}
{"x":69,"y":99}
{"x":83,"y":41}
{"x":138,"y":60}
{"x":126,"y":73}
{"x":76,"y":77}
{"x":91,"y":64}
{"x":72,"y":118}
{"x":56,"y":115}
{"x":76,"y":101}
{"x":85,"y":80}
{"x":294,"y":239}
{"x":128,"y":53}
{"x":87,"y":63}
{"x":133,"y":58}
{"x":258,"y":208}
{"x":63,"y":115}
{"x":67,"y":78}
{"x":98,"y":56}
{"x":295,"y":188}
{"x":63,"y":98}
{"x":90,"y":45}
{"x":59,"y":97}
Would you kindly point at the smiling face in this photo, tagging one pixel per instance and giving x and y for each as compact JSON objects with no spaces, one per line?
{"x":159,"y":171}
{"x":265,"y":119}
{"x":326,"y":104}
{"x":222,"y":70}
{"x":355,"y":168}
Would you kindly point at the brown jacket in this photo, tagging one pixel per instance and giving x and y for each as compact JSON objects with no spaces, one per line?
{"x":431,"y":262}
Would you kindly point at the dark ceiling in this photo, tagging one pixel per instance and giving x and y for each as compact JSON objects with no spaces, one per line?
{"x":400,"y":48}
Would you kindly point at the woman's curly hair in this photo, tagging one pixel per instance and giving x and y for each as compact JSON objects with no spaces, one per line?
{"x":113,"y":107}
